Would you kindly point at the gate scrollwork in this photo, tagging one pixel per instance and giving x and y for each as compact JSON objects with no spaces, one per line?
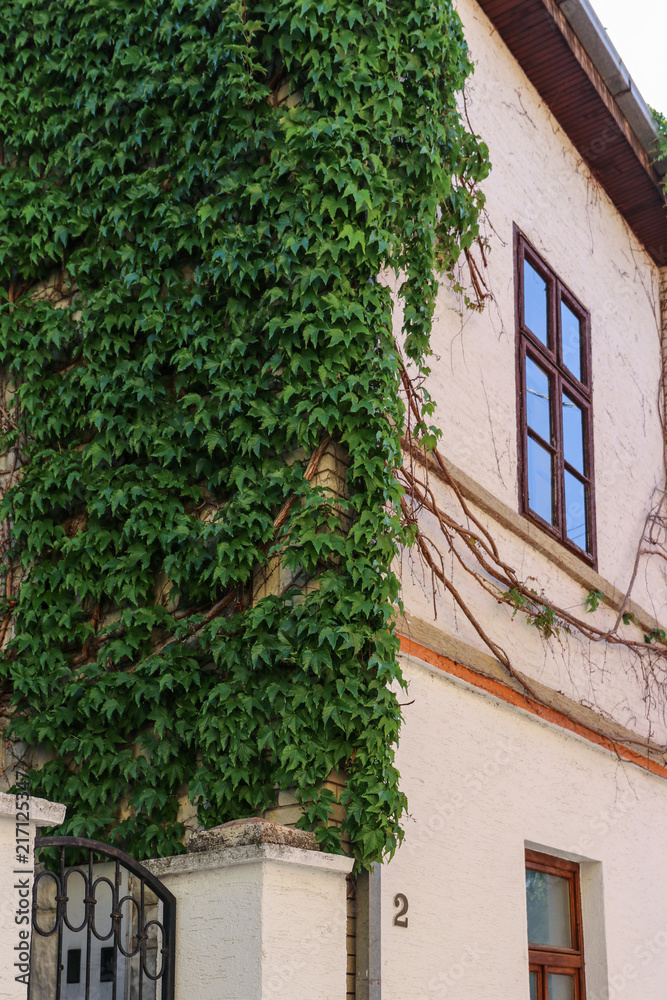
{"x":109,"y":926}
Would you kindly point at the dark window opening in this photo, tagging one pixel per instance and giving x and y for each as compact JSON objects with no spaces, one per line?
{"x":107,"y":965}
{"x":73,"y":965}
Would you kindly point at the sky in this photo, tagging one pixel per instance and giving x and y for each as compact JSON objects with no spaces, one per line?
{"x":638,"y":30}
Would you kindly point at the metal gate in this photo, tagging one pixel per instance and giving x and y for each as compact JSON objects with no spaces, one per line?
{"x":103,"y":927}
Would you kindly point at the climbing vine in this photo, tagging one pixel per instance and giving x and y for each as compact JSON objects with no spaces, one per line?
{"x":198,"y":201}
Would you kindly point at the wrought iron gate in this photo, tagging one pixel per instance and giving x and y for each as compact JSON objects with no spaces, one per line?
{"x":103,"y":928}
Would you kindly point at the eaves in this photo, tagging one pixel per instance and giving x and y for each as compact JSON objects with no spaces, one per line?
{"x":565,"y":52}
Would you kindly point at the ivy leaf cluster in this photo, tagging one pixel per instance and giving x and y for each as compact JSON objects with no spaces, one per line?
{"x":198,"y":201}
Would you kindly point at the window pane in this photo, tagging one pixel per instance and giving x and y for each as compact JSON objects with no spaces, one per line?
{"x":533,"y":986}
{"x":560,"y":987}
{"x":575,"y":510}
{"x":548,"y":903}
{"x":537,"y":400}
{"x":571,"y":333}
{"x":540,"y":489}
{"x":535,"y":302}
{"x":573,"y":434}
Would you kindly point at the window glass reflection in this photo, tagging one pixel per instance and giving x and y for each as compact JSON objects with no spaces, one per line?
{"x":573,"y":434}
{"x":571,"y":334}
{"x":561,"y":987}
{"x":535,"y":301}
{"x":548,"y":905}
{"x":540,"y":490}
{"x":575,"y":510}
{"x":537,"y":400}
{"x":533,"y":986}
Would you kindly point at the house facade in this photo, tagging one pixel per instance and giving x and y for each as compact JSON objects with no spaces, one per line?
{"x":534,"y":746}
{"x":532,"y":864}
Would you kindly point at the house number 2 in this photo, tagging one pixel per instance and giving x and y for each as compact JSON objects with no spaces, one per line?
{"x":400,"y":919}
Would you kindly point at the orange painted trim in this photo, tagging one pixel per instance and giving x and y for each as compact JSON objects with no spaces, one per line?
{"x":507,"y":694}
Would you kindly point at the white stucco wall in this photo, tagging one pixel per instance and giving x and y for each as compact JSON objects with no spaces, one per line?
{"x":539,"y":183}
{"x":484,"y":781}
{"x":607,"y":678}
{"x":20,"y":818}
{"x":258,"y":922}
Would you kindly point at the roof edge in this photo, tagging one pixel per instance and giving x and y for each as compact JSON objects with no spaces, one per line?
{"x":598,"y":46}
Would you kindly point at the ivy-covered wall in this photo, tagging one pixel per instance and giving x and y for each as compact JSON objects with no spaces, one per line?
{"x":208,"y":192}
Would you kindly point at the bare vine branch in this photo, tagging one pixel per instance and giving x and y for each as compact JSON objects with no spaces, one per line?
{"x":477,"y":553}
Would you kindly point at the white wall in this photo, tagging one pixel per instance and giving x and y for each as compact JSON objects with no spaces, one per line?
{"x":539,"y":183}
{"x":258,"y":922}
{"x":20,"y":818}
{"x":484,"y":781}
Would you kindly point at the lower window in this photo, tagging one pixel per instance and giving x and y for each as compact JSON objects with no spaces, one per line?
{"x":555,"y":939}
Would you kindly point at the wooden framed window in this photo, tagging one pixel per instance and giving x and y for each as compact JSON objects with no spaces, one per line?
{"x":555,"y":939}
{"x":554,"y":405}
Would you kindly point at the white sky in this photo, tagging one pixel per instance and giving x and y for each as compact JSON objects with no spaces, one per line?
{"x":638,"y":30}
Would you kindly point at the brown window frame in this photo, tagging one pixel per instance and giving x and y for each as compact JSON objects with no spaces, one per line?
{"x":544,"y":960}
{"x":550,"y":359}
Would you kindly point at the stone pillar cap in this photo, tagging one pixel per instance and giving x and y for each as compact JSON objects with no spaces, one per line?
{"x":42,"y":812}
{"x":256,"y":830}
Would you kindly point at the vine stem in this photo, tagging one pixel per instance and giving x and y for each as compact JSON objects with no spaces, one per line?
{"x":228,"y":599}
{"x":418,"y":496}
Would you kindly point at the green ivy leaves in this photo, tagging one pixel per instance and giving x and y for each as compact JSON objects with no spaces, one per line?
{"x":208,"y":193}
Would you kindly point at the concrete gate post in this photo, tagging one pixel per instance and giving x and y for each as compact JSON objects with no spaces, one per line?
{"x":261,"y":915}
{"x":20,"y":816}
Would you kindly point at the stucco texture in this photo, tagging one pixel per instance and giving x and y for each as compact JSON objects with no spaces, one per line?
{"x":262,"y":921}
{"x":539,"y":184}
{"x":484,"y":782}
